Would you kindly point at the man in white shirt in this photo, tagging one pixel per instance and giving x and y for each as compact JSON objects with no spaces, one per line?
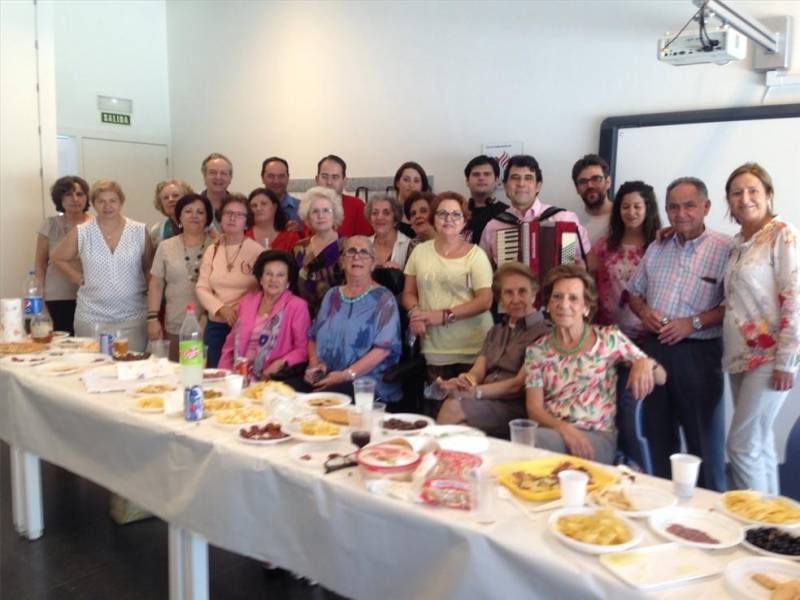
{"x":590,"y":175}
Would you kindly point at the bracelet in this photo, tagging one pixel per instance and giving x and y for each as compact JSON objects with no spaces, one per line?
{"x":351,"y":374}
{"x":478,"y":393}
{"x":153,"y":319}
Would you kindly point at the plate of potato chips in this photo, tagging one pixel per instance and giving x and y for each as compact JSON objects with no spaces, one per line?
{"x":749,"y":506}
{"x":594,"y":531}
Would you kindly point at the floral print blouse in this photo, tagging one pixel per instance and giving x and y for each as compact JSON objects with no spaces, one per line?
{"x":762,"y":314}
{"x":614,"y":270}
{"x":581,"y":388}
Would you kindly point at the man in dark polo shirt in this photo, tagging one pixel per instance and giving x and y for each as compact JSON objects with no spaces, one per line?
{"x":482,"y":173}
{"x":491,"y":393}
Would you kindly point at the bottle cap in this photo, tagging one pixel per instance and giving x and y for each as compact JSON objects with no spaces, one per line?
{"x":190,"y":307}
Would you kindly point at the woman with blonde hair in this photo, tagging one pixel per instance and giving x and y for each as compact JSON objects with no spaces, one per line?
{"x":167,"y":194}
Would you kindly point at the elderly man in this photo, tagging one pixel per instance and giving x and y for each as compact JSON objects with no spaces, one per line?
{"x":332,"y":173}
{"x":590,"y":175}
{"x":217,"y":171}
{"x":482,"y":173}
{"x":677,"y":293}
{"x":522,"y":180}
{"x":275,"y":175}
{"x":491,"y":393}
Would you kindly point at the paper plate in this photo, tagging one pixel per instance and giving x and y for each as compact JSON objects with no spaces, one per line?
{"x":408,"y":417}
{"x":212,"y":375}
{"x":269,"y":442}
{"x":759,"y":550}
{"x":788,"y":503}
{"x":738,"y":576}
{"x":58,"y":368}
{"x":727,"y":531}
{"x":645,"y":500}
{"x":87,"y":359}
{"x":293,"y":428}
{"x":25,"y":360}
{"x":324,"y":400}
{"x":636,"y":533}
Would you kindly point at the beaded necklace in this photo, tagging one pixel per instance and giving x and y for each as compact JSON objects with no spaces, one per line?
{"x":354,"y":299}
{"x":557,"y":346}
{"x":193,"y":264}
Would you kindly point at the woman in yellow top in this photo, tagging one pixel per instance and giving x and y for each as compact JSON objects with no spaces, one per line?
{"x":448,"y":292}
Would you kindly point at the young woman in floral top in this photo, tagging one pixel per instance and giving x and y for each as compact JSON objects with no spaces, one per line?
{"x":614,"y":259}
{"x":761,"y":331}
{"x":571,"y":383}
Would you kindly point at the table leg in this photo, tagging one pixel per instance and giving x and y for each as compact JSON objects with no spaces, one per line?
{"x":26,"y":494}
{"x":188,"y":565}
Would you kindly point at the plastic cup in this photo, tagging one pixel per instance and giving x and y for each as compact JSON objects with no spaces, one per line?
{"x":159,"y":348}
{"x":233,"y":385}
{"x":573,"y":487}
{"x":685,"y":468}
{"x":378,"y":414}
{"x":523,"y":431}
{"x":364,"y":393}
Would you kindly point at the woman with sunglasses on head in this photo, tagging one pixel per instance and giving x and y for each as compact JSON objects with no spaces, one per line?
{"x":448,"y":292}
{"x":226,"y":273}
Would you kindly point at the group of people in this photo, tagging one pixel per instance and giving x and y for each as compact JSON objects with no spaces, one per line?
{"x":325,"y":289}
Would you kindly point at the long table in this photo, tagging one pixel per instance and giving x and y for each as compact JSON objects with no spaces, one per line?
{"x":258,"y":502}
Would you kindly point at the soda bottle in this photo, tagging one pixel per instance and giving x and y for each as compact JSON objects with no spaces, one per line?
{"x":191,"y":362}
{"x":32,"y":299}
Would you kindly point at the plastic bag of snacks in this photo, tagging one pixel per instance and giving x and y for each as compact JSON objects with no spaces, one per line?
{"x":449,"y":482}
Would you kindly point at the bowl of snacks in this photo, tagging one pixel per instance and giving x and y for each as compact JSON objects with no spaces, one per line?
{"x":313,"y":429}
{"x":777,"y":542}
{"x":594,"y":531}
{"x":388,"y":460}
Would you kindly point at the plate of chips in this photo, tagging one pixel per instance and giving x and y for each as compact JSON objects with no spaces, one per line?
{"x":594,"y":531}
{"x":755,"y":508}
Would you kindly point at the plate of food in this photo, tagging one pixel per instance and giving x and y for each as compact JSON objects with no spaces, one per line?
{"x":267,"y":434}
{"x":88,"y":359}
{"x":776,"y":542}
{"x":21,"y":347}
{"x":314,"y":455}
{"x":219,"y":403}
{"x":324,"y":400}
{"x":209,"y":393}
{"x":237,"y":417}
{"x":633,"y":501}
{"x":211,"y":375}
{"x":537,"y":480}
{"x":755,"y":508}
{"x":60,"y":335}
{"x":58,"y":368}
{"x":156,"y":387}
{"x":594,"y":531}
{"x":86,"y":344}
{"x":761,"y":578}
{"x":25,"y":360}
{"x":338,"y":415}
{"x":131,"y":356}
{"x":254,"y":391}
{"x":405,"y":423}
{"x":697,"y":528}
{"x":149,"y":404}
{"x":313,"y":429}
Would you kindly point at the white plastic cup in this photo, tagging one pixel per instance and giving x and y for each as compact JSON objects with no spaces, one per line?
{"x":159,"y":348}
{"x":573,"y":487}
{"x":364,"y":393}
{"x":523,"y":431}
{"x":378,"y":415}
{"x":233,"y":385}
{"x":685,"y":468}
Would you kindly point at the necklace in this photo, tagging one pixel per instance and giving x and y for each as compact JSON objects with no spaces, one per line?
{"x":229,"y":262}
{"x":354,"y":299}
{"x":193,"y":264}
{"x":560,"y":348}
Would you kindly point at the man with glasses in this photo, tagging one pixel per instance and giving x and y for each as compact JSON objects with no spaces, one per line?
{"x":332,"y":173}
{"x":590,"y":175}
{"x":275,"y":175}
{"x":482,"y":173}
{"x":522,"y":180}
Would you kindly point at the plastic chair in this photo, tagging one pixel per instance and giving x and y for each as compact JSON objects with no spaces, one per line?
{"x":633,"y":448}
{"x":788,"y":471}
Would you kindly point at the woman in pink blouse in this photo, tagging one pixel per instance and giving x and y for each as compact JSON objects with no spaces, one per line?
{"x":272,"y":324}
{"x":761,"y":331}
{"x":614,"y":259}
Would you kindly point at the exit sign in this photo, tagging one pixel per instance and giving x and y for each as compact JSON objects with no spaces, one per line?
{"x":115,"y":118}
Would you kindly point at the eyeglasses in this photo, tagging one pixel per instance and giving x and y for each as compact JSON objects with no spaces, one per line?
{"x":449,"y":216}
{"x":234,"y":215}
{"x":359,"y":252}
{"x":595,"y":179}
{"x":320,"y":212}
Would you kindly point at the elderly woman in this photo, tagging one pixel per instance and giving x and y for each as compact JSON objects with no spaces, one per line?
{"x":272,"y":325}
{"x":384,"y":214}
{"x":490,"y":394}
{"x":448,"y":292}
{"x":115,"y":255}
{"x":761,"y":330}
{"x":614,"y":259}
{"x":226,"y":273}
{"x":269,"y":221}
{"x":176,"y":268}
{"x":317,"y":256}
{"x":70,"y":195}
{"x":417,"y":210}
{"x":167,"y":195}
{"x":357,"y":330}
{"x":570,"y":380}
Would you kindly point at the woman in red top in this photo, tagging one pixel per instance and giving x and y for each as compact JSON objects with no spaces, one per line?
{"x":270,"y":222}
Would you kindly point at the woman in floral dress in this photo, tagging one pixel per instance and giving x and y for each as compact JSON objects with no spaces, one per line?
{"x":761,"y":331}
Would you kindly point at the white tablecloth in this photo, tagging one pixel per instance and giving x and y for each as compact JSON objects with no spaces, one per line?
{"x":258,"y":502}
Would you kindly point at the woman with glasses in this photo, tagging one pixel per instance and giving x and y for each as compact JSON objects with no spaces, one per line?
{"x":357,"y":329}
{"x":448,"y":292}
{"x":226,"y":273}
{"x":317,"y":256}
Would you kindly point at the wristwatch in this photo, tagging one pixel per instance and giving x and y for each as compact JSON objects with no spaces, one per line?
{"x":351,"y":374}
{"x":697,"y":324}
{"x":449,"y":316}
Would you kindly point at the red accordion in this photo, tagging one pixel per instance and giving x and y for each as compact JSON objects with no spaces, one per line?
{"x":540,"y":245}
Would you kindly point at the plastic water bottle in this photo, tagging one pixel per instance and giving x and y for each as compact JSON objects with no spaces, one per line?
{"x":191,"y":361}
{"x":33,"y":299}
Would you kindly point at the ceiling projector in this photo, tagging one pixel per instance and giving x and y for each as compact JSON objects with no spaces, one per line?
{"x":720,"y":46}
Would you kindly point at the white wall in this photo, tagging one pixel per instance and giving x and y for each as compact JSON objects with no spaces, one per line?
{"x":383,"y":82}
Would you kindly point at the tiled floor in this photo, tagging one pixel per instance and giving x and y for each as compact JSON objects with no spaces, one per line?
{"x":84,"y":555}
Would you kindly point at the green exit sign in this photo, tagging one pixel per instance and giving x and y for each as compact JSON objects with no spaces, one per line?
{"x":115,"y":118}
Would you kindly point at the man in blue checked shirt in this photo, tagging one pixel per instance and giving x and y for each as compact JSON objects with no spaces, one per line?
{"x":677,"y":293}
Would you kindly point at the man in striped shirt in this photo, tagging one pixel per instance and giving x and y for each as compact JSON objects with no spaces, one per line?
{"x":677,"y":293}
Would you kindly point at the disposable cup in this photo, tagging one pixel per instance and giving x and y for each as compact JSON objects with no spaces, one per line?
{"x":364,"y":392}
{"x":523,"y":431}
{"x":685,"y":468}
{"x":233,"y":385}
{"x":573,"y":487}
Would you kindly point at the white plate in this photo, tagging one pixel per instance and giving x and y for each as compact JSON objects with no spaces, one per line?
{"x":263,"y":442}
{"x":224,"y":373}
{"x":25,"y":360}
{"x":58,"y":368}
{"x":75,"y":343}
{"x":441,"y":431}
{"x":664,"y":565}
{"x":411,"y":417}
{"x":237,"y":426}
{"x":738,"y":576}
{"x":759,"y":550}
{"x":293,"y":428}
{"x":318,"y":453}
{"x":727,"y":531}
{"x":139,"y":409}
{"x":733,"y":515}
{"x":636,"y":533}
{"x":646,"y":500}
{"x":60,"y":335}
{"x":88,"y":359}
{"x":139,"y":389}
{"x":471,"y":444}
{"x":341,"y":399}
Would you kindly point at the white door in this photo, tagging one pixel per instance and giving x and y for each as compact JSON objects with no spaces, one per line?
{"x":137,"y":167}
